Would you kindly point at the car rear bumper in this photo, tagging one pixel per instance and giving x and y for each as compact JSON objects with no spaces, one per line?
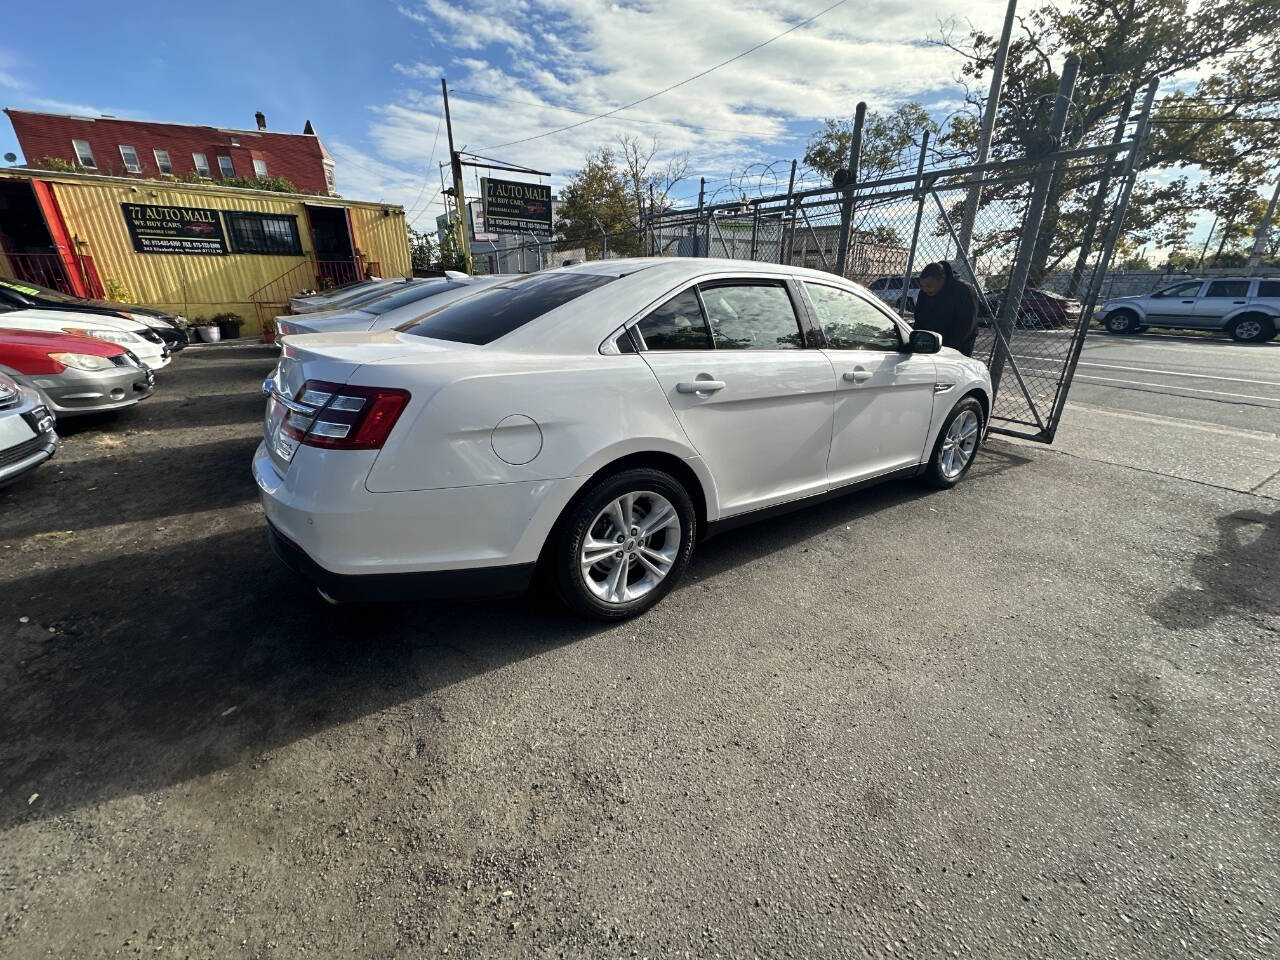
{"x":481,"y":539}
{"x":506,"y":580}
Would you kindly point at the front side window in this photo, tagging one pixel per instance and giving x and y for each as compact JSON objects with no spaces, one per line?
{"x":259,"y":167}
{"x":1185,"y":290}
{"x":225,"y":167}
{"x":751,"y":316}
{"x":263,"y":233}
{"x":162,"y":161}
{"x":1269,"y":289}
{"x":1228,"y":289}
{"x":676,"y":325}
{"x":849,"y":322}
{"x":201,"y":163}
{"x":496,"y":311}
{"x":130,"y":158}
{"x":84,"y":154}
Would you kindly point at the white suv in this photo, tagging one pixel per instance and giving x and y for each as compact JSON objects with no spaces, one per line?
{"x":1248,"y":308}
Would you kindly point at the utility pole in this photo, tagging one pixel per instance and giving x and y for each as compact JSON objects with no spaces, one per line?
{"x":988,"y":125}
{"x":459,"y":197}
{"x":846,"y":204}
{"x":1264,"y":230}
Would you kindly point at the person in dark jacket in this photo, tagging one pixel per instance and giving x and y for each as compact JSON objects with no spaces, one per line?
{"x":948,"y":306}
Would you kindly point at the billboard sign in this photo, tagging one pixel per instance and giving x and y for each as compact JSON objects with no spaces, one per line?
{"x":161,"y":228}
{"x":513,"y":207}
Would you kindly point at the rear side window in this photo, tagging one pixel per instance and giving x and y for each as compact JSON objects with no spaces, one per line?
{"x":496,"y":311}
{"x":1227,"y":288}
{"x":1269,"y":289}
{"x":418,"y":291}
{"x":676,"y":325}
{"x":756,"y":316}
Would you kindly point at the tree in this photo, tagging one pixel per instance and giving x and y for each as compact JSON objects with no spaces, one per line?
{"x":599,"y":200}
{"x":890,"y":142}
{"x":641,"y":173}
{"x":423,"y":251}
{"x":1232,"y":49}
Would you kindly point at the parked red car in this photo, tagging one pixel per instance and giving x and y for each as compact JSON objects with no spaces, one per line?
{"x":1041,"y":309}
{"x":75,"y":375}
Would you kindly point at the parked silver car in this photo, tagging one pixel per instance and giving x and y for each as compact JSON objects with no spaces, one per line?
{"x":27,"y":437}
{"x":1248,"y":308}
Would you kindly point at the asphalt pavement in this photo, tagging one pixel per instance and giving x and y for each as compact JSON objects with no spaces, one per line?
{"x":1031,"y":716}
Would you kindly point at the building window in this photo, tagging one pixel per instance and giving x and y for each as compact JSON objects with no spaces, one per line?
{"x":84,"y":154}
{"x":162,"y":161}
{"x":225,"y":168}
{"x":130,"y":158}
{"x":202,"y":164}
{"x":263,"y":233}
{"x":259,"y":167}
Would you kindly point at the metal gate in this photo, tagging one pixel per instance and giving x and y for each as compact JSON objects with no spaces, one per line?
{"x":1034,"y":217}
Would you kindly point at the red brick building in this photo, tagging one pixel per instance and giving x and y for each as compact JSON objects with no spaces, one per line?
{"x":115,"y":147}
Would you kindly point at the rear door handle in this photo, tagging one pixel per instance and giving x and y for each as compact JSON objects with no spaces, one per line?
{"x":699,"y":386}
{"x":857,"y":375}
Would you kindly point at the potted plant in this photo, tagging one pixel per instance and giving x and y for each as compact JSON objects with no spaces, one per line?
{"x":208,"y":330}
{"x":269,"y":330}
{"x":228,"y":324}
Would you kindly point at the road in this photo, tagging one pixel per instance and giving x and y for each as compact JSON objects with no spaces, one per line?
{"x":1031,"y":716}
{"x":1192,"y":378}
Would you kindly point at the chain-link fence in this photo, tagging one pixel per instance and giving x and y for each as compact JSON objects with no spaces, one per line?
{"x":1056,"y":214}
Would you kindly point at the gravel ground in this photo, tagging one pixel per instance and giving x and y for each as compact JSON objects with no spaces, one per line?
{"x":1026,"y":717}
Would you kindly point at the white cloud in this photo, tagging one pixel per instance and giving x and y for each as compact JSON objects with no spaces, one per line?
{"x":419,"y":70}
{"x":519,"y":69}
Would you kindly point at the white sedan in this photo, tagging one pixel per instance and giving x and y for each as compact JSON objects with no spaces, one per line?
{"x":390,"y":310}
{"x":138,"y":338}
{"x":595,"y":422}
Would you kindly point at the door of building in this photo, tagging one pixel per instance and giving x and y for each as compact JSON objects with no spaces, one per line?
{"x":335,"y":250}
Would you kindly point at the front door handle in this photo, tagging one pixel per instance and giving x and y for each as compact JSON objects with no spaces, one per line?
{"x":857,"y":375}
{"x":700,"y":386}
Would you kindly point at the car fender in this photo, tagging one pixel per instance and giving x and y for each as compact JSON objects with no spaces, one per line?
{"x":1137,"y":306}
{"x":966,"y":376}
{"x":1263,"y":308}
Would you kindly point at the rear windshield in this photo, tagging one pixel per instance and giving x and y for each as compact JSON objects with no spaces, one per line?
{"x":496,"y":311}
{"x":419,"y":291}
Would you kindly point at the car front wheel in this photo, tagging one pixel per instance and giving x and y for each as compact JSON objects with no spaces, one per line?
{"x":957,"y":445}
{"x":624,"y":545}
{"x":1121,"y":321}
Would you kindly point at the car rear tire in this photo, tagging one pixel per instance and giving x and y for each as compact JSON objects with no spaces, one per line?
{"x":957,"y":445}
{"x":624,"y":544}
{"x":1122,"y":321}
{"x":1252,"y":328}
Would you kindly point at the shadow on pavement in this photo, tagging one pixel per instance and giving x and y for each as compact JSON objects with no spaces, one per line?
{"x":1242,"y":575}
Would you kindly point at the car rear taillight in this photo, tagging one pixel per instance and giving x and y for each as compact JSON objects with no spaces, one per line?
{"x":343,"y":417}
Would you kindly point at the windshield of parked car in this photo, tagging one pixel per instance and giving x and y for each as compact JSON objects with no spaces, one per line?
{"x":496,"y":311}
{"x":35,"y":290}
{"x":419,"y":291}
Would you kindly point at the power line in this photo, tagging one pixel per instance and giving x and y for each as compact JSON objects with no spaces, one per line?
{"x":430,"y":157}
{"x":696,"y":76}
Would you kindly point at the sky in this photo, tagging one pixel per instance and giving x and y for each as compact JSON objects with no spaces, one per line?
{"x":367,"y":74}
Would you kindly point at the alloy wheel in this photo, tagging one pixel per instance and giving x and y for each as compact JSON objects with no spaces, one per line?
{"x":959,"y":444}
{"x":1248,"y":330}
{"x":630,"y":546}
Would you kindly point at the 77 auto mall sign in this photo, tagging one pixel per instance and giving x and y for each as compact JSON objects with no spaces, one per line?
{"x":511,"y":207}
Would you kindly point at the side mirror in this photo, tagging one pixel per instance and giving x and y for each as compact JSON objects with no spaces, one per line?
{"x":924,"y":341}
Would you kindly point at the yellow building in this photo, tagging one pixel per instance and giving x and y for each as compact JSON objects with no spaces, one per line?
{"x":190,"y":248}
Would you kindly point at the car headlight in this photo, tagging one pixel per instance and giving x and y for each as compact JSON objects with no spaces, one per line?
{"x":115,"y":336}
{"x":82,"y":361}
